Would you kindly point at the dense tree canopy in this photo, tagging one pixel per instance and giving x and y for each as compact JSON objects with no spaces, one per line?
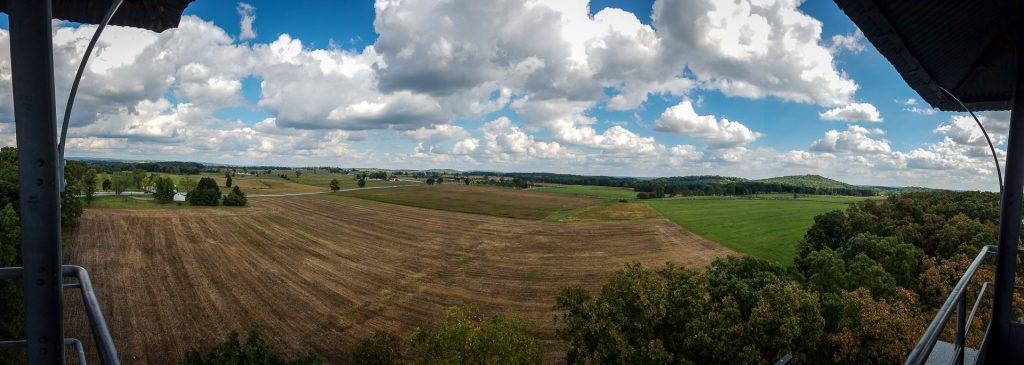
{"x":164,"y":190}
{"x":235,"y":198}
{"x":865,"y":283}
{"x":121,"y":182}
{"x":206,"y":193}
{"x":465,"y":336}
{"x":251,"y":352}
{"x":730,"y":313}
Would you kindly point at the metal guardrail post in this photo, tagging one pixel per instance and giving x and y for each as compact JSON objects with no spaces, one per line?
{"x":999,"y":348}
{"x":35,"y":119}
{"x":961,"y":328}
{"x":785,"y":360}
{"x":104,"y":342}
{"x":73,"y":342}
{"x":100,"y":332}
{"x":919,"y":355}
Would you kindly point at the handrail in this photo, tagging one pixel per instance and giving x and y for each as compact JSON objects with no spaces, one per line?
{"x":104,"y":342}
{"x":73,"y":342}
{"x":100,"y":332}
{"x":919,"y":355}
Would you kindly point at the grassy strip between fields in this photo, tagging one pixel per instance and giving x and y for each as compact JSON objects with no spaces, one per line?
{"x":606,"y":211}
{"x":769,"y":229}
{"x":605,"y":192}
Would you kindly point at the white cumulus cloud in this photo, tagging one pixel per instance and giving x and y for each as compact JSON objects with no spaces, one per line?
{"x":854,"y":139}
{"x":864,"y":112}
{"x":718,"y":133}
{"x":247,"y":13}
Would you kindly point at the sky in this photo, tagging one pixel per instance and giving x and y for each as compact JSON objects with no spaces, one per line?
{"x":748,"y":88}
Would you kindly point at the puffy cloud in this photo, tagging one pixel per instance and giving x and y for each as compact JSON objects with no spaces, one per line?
{"x":551,"y":63}
{"x":753,"y":49}
{"x":247,"y":13}
{"x":320,"y":88}
{"x":853,"y":139}
{"x":504,"y":141}
{"x":921,"y":111}
{"x":852,"y":42}
{"x":546,"y":50}
{"x":945,"y":155}
{"x":911,"y":105}
{"x":435,"y":135}
{"x":718,"y":133}
{"x":963,"y":130}
{"x":853,"y":112}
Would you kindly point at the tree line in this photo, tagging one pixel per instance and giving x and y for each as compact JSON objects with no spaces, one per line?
{"x":865,"y":283}
{"x":675,"y":186}
{"x":173,"y":167}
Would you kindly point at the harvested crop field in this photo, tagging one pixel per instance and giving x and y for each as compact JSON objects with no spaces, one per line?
{"x":265,"y":185}
{"x":498,"y":202}
{"x":322,"y":274}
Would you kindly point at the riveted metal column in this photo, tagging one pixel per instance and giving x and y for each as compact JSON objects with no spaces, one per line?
{"x":999,"y":346}
{"x":36,"y":124}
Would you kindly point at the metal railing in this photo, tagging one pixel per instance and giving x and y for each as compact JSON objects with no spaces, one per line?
{"x":100,"y":332}
{"x":958,"y":299}
{"x":73,"y":342}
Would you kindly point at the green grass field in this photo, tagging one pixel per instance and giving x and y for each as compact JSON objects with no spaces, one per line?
{"x":768,"y":228}
{"x":127,"y":202}
{"x":595,"y":191}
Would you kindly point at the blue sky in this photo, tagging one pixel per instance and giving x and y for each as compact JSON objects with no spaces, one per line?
{"x":643,"y":88}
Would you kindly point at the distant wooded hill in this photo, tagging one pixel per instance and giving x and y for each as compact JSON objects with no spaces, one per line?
{"x":677,"y":185}
{"x":714,"y":184}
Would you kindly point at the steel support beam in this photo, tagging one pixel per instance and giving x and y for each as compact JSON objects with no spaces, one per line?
{"x":999,"y":346}
{"x":36,"y":125}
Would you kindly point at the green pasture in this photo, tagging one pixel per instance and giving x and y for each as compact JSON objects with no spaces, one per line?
{"x":765,"y":228}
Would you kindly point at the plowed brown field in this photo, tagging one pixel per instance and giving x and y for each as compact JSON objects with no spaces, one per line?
{"x":322,"y":274}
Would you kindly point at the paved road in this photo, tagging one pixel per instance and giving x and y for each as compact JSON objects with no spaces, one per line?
{"x":111,"y":193}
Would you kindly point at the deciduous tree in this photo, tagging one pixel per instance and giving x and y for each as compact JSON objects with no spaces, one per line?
{"x":383,"y":348}
{"x":186,"y":184}
{"x":206,"y":193}
{"x":137,"y":177}
{"x":11,"y":306}
{"x":122,"y":180}
{"x":235,"y":198}
{"x":877,"y":331}
{"x":253,"y":351}
{"x":89,"y":185}
{"x":164,"y":190}
{"x":465,"y":336}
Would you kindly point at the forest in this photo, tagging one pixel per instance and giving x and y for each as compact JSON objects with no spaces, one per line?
{"x":864,"y":285}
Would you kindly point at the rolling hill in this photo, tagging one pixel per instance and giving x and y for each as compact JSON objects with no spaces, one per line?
{"x":809,"y":181}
